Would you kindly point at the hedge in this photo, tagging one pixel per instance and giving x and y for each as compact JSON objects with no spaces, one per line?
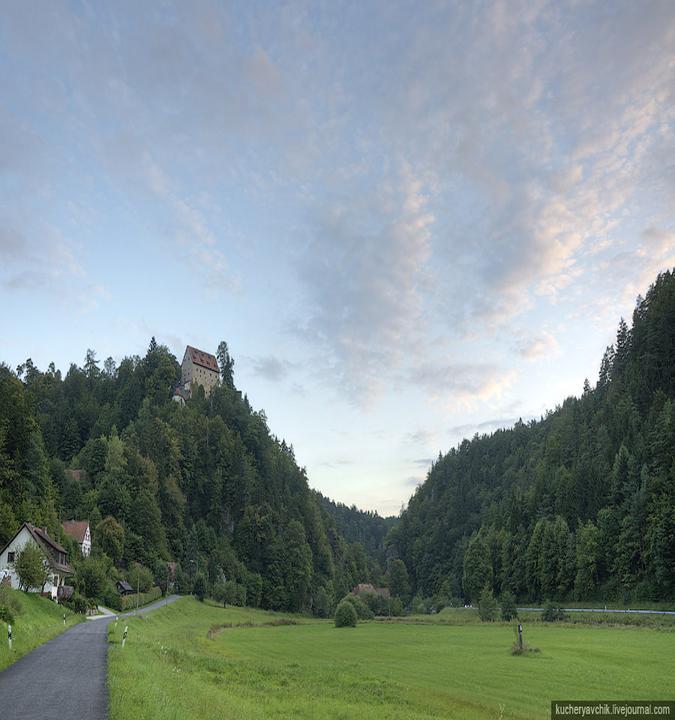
{"x":128,"y":602}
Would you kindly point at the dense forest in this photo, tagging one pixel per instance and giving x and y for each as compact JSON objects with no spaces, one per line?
{"x":580,"y":504}
{"x":365,"y":527}
{"x":204,"y":484}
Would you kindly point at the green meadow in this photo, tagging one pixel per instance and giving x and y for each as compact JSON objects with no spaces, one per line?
{"x":193,"y":660}
{"x":36,"y":620}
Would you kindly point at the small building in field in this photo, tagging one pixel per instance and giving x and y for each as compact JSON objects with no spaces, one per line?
{"x":199,"y":368}
{"x":55,"y":558}
{"x":124,"y":588}
{"x":80,"y":532}
{"x":368,"y":588}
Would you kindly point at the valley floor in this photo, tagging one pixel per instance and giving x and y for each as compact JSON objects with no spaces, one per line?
{"x":194,"y":660}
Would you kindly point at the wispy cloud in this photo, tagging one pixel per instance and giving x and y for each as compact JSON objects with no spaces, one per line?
{"x":271,"y":368}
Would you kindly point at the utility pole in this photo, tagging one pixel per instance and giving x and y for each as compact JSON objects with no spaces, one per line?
{"x":138,"y":585}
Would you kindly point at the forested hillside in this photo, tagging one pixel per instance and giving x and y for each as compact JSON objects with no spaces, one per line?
{"x":365,"y":527}
{"x":578,"y":504}
{"x":205,"y":484}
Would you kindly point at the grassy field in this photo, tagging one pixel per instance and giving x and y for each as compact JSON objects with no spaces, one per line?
{"x":37,"y":620}
{"x":190,"y":660}
{"x":469,"y":616}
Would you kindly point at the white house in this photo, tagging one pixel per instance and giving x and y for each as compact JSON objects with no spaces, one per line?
{"x":79,"y":531}
{"x":199,"y":368}
{"x":55,"y":556}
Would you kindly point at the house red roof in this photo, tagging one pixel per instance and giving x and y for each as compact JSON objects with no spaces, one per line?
{"x":76,"y":529}
{"x":52,"y":550}
{"x":204,"y":359}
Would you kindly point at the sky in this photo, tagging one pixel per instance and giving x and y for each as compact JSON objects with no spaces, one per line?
{"x":411,"y":221}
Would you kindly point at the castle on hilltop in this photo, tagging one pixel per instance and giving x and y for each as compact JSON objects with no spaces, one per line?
{"x":198,"y":368}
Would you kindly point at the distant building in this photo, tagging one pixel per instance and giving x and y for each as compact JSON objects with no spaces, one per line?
{"x":123,"y":588}
{"x":199,"y":368}
{"x":368,"y":588}
{"x":79,"y":531}
{"x":55,"y":556}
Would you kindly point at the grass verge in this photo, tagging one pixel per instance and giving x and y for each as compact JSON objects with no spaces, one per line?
{"x":37,"y":620}
{"x":175,"y":666}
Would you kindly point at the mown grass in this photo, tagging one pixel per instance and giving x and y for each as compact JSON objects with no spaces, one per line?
{"x":175,"y":666}
{"x":37,"y":620}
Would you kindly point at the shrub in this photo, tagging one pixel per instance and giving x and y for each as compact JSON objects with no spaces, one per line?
{"x":138,"y":576}
{"x":378,"y":605}
{"x":10,"y":600}
{"x":553,"y":612}
{"x":77,"y":604}
{"x":363,"y":612}
{"x":487,"y":605}
{"x":508,"y":606}
{"x":322,"y":602}
{"x":111,"y":598}
{"x":31,"y":567}
{"x":230,"y":593}
{"x":128,"y":602}
{"x":396,"y":607}
{"x":90,"y":576}
{"x":200,"y":587}
{"x":345,"y":615}
{"x":6,"y":615}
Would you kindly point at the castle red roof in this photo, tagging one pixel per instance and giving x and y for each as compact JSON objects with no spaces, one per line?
{"x":204,"y":359}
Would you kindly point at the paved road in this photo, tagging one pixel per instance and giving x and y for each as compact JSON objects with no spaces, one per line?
{"x":602,"y":610}
{"x":65,"y":677}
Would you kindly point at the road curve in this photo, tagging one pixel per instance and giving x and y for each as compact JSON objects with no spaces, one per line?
{"x":65,"y":677}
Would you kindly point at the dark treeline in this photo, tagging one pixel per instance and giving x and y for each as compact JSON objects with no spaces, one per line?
{"x":361,"y":526}
{"x":206,"y":485}
{"x":580,"y":504}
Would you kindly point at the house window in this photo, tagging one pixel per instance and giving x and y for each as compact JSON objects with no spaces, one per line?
{"x":10,"y":557}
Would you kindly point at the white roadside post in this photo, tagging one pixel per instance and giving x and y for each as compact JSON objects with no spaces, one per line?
{"x":124,"y":635}
{"x":64,"y":618}
{"x":9,"y":636}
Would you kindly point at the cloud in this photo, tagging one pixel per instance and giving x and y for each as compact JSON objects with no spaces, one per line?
{"x":363,"y":272}
{"x":340,"y":462}
{"x":424,"y":462}
{"x":470,"y":429}
{"x":538,"y":347}
{"x":422,"y":436}
{"x":462,"y":385}
{"x":51,"y":267}
{"x":271,"y":368}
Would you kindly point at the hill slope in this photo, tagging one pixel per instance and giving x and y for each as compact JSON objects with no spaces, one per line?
{"x":580,"y":503}
{"x":205,"y":484}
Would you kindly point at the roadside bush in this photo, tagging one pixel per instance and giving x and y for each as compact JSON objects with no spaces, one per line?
{"x":508,"y":606}
{"x":111,"y":598}
{"x":128,"y":602}
{"x":363,"y":612}
{"x":9,"y":600}
{"x":553,"y":612}
{"x":6,"y":615}
{"x":487,"y":605}
{"x":230,"y":593}
{"x":90,"y":576}
{"x":345,"y":615}
{"x":199,"y":588}
{"x":138,"y":576}
{"x":77,"y":604}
